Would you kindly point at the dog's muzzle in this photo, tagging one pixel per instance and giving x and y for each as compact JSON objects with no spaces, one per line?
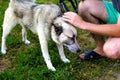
{"x":78,"y":50}
{"x":73,"y":48}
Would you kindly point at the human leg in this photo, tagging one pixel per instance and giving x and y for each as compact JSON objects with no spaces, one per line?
{"x":111,"y":48}
{"x":89,"y":12}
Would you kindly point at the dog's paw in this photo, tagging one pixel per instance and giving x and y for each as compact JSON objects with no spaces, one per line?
{"x":52,"y":69}
{"x":3,"y":51}
{"x":27,"y":42}
{"x":65,"y":60}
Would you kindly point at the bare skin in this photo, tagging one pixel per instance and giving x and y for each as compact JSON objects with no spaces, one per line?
{"x":92,"y":13}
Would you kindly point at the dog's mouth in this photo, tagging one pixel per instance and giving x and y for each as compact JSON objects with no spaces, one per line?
{"x":74,"y":48}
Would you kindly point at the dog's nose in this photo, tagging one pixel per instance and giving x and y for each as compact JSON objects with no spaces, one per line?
{"x":78,"y":50}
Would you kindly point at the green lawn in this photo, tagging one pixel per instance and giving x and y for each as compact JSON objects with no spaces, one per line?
{"x":25,"y":62}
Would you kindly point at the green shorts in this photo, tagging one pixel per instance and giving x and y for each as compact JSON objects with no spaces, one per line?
{"x":113,"y":14}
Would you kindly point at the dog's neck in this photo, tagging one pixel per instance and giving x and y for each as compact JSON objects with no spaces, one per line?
{"x":58,"y":29}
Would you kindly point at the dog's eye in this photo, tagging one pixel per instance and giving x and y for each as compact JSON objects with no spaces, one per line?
{"x":70,"y":41}
{"x":72,"y":38}
{"x":66,"y":43}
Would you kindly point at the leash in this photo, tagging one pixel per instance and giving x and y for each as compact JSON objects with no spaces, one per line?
{"x":64,"y":7}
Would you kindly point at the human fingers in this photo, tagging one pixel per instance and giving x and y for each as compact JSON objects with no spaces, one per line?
{"x":66,"y":18}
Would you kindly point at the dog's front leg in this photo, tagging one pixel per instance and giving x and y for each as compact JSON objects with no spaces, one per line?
{"x":9,"y":23}
{"x":44,"y":48}
{"x":6,"y":30}
{"x":62,"y":55}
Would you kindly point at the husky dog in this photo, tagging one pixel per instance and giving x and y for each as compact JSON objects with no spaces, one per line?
{"x":43,"y":20}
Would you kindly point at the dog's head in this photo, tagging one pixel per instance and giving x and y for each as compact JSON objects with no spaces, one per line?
{"x":64,"y":33}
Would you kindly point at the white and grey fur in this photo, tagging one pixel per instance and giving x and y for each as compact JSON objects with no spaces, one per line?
{"x":43,"y":20}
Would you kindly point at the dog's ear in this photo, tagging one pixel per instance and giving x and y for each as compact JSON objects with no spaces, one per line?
{"x":58,"y":28}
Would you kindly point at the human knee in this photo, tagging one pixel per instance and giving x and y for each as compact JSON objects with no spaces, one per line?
{"x":110,"y":52}
{"x":82,"y":9}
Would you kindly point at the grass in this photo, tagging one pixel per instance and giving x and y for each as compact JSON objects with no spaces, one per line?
{"x":25,"y":62}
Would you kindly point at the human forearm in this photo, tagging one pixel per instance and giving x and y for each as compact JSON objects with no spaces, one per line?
{"x":103,"y":29}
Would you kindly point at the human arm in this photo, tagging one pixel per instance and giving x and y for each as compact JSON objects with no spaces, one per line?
{"x":101,"y":29}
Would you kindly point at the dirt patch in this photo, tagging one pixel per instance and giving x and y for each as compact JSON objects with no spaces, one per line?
{"x":118,"y":77}
{"x":4,"y":64}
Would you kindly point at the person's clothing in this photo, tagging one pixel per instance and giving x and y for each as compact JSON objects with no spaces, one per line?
{"x":116,"y":4}
{"x":90,"y":55}
{"x":113,"y":14}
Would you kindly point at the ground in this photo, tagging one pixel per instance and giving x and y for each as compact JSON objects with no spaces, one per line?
{"x":25,"y":62}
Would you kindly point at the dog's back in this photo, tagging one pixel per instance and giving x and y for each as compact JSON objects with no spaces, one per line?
{"x":22,"y":7}
{"x":30,"y":13}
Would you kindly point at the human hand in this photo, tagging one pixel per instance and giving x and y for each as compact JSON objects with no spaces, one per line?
{"x":73,"y":18}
